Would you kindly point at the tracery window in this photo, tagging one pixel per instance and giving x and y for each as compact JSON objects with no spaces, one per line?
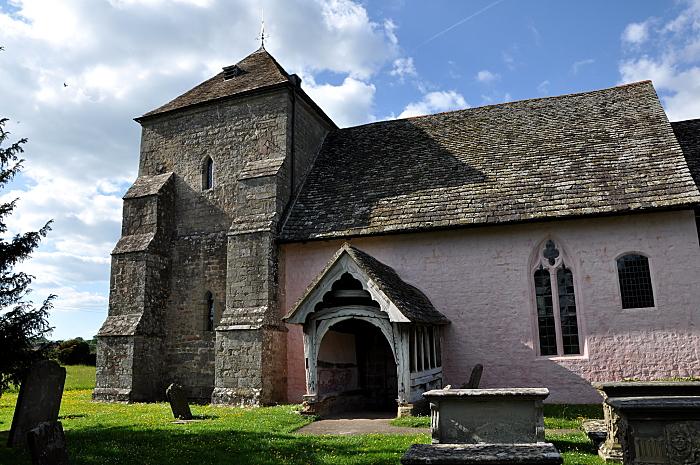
{"x":557,"y":321}
{"x":210,"y":312}
{"x":635,"y":281}
{"x":208,"y":174}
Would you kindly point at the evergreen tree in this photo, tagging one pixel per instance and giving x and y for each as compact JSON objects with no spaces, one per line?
{"x":21,"y":323}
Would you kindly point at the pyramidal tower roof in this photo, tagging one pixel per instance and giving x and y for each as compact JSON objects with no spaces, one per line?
{"x":256,"y":71}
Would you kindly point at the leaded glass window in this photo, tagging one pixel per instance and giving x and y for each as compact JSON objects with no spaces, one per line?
{"x":557,"y":321}
{"x":635,"y":281}
{"x":567,"y":311}
{"x":545,"y":313}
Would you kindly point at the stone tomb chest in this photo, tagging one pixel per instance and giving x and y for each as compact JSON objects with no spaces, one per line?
{"x":611,"y":448}
{"x":659,"y":430}
{"x":471,"y":416}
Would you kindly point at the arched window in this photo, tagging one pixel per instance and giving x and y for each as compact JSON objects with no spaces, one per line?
{"x":557,"y":322}
{"x":635,"y":281}
{"x":210,"y":312}
{"x":208,"y":174}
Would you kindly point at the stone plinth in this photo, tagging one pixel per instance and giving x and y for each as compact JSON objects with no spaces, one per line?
{"x":658,"y":429}
{"x":611,"y":449}
{"x":470,"y":416}
{"x":482,"y":454}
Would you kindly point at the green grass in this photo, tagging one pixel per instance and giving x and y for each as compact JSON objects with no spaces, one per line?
{"x":570,"y":416}
{"x":556,"y":416}
{"x":419,"y":421}
{"x":100,"y":433}
{"x":79,"y":377}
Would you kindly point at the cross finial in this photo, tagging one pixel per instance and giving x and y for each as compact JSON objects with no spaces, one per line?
{"x":262,"y":29}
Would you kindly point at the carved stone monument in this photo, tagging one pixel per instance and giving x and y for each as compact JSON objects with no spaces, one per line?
{"x":39,"y":400}
{"x":611,"y":448}
{"x":470,"y":416}
{"x":178,"y":402}
{"x":47,"y":444}
{"x":658,"y":430}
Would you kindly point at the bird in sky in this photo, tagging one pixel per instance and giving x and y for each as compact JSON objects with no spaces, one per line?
{"x":65,"y":85}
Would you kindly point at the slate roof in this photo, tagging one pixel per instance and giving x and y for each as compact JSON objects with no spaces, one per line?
{"x":410,"y":301}
{"x":258,"y":70}
{"x":603,"y":152}
{"x":688,"y":134}
{"x":147,"y":185}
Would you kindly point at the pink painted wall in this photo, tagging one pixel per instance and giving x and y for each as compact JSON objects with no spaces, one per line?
{"x":481,"y":280}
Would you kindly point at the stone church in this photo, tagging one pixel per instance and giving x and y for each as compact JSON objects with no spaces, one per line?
{"x":269,"y":256}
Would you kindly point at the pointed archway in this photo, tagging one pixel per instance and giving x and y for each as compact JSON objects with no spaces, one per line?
{"x":355,"y":299}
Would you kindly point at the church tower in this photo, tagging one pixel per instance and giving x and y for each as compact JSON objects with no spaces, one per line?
{"x":194,"y":288}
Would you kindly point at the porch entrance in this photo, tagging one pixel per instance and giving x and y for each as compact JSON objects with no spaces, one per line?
{"x":356,"y":367}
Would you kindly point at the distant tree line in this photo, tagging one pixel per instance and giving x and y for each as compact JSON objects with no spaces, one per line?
{"x":76,"y":351}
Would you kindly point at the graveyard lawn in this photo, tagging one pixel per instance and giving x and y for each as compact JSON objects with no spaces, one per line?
{"x":99,"y":433}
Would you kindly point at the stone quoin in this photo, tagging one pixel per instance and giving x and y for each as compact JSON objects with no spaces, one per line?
{"x":269,"y":256}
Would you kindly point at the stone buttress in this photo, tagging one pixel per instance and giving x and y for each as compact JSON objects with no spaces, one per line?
{"x":130,"y":342}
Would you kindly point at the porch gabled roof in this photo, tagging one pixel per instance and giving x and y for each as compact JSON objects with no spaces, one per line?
{"x":403,"y":302}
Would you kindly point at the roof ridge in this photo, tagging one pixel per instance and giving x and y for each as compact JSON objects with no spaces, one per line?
{"x":504,"y":104}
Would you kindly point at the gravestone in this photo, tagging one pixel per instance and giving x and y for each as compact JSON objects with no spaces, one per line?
{"x":47,"y":444}
{"x":470,"y":416}
{"x":178,"y":402}
{"x":39,"y":400}
{"x":475,"y":377}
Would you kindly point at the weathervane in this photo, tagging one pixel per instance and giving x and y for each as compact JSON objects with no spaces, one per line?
{"x":262,"y":36}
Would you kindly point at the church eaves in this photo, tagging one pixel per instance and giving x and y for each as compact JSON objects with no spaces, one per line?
{"x":603,"y":152}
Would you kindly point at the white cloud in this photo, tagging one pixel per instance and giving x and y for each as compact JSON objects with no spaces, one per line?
{"x":434,"y":102}
{"x":636,"y":33}
{"x":487,"y":76}
{"x":403,"y":67}
{"x":348,"y":104}
{"x":543,"y":87}
{"x":122,"y":58}
{"x":577,"y":65}
{"x":671,"y":59}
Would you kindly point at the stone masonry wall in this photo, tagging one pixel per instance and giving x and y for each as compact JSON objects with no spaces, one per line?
{"x":233,"y":133}
{"x":229,"y":229}
{"x":481,"y":279}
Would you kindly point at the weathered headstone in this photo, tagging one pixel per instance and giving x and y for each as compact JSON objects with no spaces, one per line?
{"x":475,"y":377}
{"x":39,"y":400}
{"x":178,"y":402}
{"x":47,"y":444}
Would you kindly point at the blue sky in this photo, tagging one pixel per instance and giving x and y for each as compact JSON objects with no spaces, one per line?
{"x":361,"y":61}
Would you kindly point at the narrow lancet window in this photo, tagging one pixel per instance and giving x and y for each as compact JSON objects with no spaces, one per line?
{"x":567,"y":311}
{"x":210,"y":312}
{"x":208,"y":174}
{"x":635,"y":281}
{"x":545,"y":313}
